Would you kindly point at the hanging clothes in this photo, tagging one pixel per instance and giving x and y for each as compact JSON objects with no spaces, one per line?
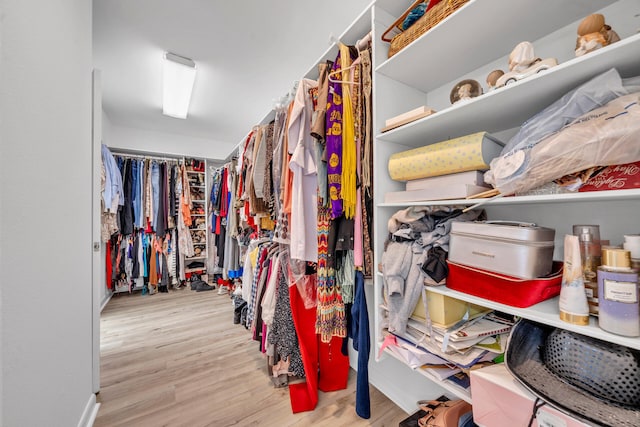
{"x":318,"y":131}
{"x":135,"y":269}
{"x":153,"y":265}
{"x":334,"y":142}
{"x":148,"y":195}
{"x":267,"y":188}
{"x":126,"y":211}
{"x":283,"y":332}
{"x":155,"y":193}
{"x":159,"y":221}
{"x":108,"y":221}
{"x":259,"y":162}
{"x":287,"y":173}
{"x":359,"y":333}
{"x":112,"y":194}
{"x":279,"y":130}
{"x":358,"y":250}
{"x":304,"y":212}
{"x":109,"y":267}
{"x":325,"y":366}
{"x":330,"y":314}
{"x":172,"y":196}
{"x":367,"y":163}
{"x":135,"y":191}
{"x":348,"y":178}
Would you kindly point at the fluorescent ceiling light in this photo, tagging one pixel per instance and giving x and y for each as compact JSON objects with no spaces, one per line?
{"x":179,"y":74}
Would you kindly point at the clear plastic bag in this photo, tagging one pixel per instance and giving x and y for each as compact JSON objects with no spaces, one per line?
{"x":608,"y":135}
{"x":590,"y":95}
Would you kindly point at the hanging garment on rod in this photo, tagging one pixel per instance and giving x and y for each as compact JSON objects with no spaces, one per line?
{"x":150,"y":203}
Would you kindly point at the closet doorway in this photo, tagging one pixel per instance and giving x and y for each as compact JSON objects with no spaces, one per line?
{"x":96,"y":251}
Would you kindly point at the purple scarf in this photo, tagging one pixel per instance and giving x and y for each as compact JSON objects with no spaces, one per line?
{"x":334,"y":142}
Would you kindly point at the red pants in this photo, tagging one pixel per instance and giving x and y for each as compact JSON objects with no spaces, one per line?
{"x":325,"y":367}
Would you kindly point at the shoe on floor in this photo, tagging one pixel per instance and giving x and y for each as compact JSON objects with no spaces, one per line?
{"x":203,"y":286}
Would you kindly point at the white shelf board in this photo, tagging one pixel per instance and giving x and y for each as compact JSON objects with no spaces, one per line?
{"x":546,"y":312}
{"x":357,"y":30}
{"x":591,"y":196}
{"x":448,"y":386}
{"x":268,"y":118}
{"x":442,"y":52}
{"x":519,"y":101}
{"x":394,"y":7}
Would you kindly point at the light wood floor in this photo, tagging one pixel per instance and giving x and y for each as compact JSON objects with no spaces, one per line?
{"x":177,"y":359}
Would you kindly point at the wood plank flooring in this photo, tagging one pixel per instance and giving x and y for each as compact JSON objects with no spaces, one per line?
{"x":177,"y":359}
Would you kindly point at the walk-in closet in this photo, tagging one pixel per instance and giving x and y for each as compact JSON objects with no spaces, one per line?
{"x":364,"y":213}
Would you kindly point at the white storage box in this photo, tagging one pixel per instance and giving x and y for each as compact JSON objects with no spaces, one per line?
{"x":499,"y":400}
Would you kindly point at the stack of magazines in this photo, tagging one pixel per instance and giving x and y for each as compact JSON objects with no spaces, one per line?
{"x":466,"y":343}
{"x":446,"y":352}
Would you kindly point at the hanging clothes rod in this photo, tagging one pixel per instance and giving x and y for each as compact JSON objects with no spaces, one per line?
{"x":145,"y":156}
{"x":363,"y":43}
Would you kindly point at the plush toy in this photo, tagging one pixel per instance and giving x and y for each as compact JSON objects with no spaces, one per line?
{"x":593,"y":34}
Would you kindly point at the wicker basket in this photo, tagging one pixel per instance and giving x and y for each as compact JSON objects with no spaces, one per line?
{"x":429,"y":20}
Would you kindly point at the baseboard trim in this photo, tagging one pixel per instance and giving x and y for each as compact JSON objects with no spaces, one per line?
{"x":105,"y":301}
{"x":90,"y":412}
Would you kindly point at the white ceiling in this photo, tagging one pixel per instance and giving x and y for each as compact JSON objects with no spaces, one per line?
{"x":247,"y":54}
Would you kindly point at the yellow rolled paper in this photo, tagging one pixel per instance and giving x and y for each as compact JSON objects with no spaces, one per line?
{"x":469,"y":152}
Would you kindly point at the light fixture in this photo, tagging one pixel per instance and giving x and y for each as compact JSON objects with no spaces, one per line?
{"x":179,"y":74}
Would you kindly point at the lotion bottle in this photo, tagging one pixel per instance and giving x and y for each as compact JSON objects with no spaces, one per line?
{"x":619,"y":311}
{"x":573,"y":298}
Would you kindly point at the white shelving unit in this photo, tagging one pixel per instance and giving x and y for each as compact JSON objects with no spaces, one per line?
{"x":198,"y":183}
{"x":469,"y":44}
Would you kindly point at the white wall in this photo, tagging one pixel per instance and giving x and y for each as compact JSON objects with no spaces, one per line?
{"x":132,"y":139}
{"x":107,"y":132}
{"x":45,"y":213}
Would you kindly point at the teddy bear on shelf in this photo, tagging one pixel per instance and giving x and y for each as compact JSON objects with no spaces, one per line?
{"x":593,"y":34}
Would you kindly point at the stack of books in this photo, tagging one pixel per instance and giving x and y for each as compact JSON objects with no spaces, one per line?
{"x":444,"y":187}
{"x":408,"y":117}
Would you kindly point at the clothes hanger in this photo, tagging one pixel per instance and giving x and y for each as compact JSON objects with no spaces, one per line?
{"x":352,"y":66}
